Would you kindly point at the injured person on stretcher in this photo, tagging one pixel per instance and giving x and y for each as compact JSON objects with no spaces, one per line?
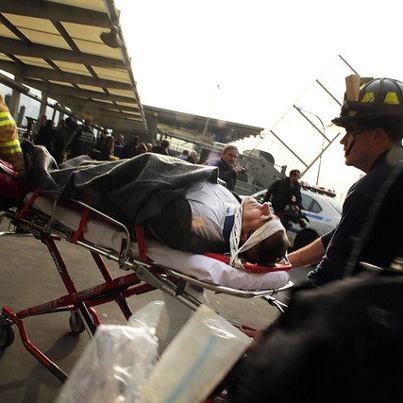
{"x":182,"y":208}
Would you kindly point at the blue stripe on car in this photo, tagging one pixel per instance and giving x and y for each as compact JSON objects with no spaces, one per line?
{"x":318,"y":217}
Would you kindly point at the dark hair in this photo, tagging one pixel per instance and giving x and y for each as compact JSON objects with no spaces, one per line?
{"x":393,"y":128}
{"x":164,"y":143}
{"x":230,"y":148}
{"x":294,"y":172}
{"x":270,"y":250}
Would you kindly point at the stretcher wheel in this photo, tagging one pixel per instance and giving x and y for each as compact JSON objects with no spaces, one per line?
{"x":6,"y":336}
{"x":76,"y":324}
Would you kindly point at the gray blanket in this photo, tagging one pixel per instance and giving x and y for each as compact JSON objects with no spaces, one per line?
{"x":130,"y":190}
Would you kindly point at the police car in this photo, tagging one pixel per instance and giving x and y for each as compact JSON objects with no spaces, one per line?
{"x":323,"y":212}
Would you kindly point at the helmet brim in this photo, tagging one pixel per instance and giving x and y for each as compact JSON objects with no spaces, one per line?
{"x":363,"y":120}
{"x":345,"y":121}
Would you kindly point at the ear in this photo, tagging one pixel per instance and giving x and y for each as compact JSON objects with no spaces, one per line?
{"x":380,"y":136}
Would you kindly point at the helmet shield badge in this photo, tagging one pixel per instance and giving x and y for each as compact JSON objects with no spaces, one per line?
{"x":367,"y":100}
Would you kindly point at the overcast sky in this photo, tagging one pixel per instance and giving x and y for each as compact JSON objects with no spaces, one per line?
{"x":265,"y":56}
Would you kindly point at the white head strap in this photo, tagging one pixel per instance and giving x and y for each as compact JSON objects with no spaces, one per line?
{"x":267,"y":229}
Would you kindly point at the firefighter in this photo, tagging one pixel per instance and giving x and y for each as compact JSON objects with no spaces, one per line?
{"x":372,"y":116}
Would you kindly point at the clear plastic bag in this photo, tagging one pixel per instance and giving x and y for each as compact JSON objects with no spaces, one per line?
{"x":116,"y":363}
{"x":196,"y":360}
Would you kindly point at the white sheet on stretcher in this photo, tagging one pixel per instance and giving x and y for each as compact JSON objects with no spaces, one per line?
{"x":199,"y":266}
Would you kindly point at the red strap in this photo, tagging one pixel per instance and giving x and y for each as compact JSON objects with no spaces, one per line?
{"x":81,"y":226}
{"x":253,"y":268}
{"x":29,"y":203}
{"x":141,"y":242}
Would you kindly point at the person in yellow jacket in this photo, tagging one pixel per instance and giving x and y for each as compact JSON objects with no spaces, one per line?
{"x":10,"y":148}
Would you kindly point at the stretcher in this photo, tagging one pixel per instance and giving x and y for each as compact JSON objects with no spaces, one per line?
{"x":147,"y":266}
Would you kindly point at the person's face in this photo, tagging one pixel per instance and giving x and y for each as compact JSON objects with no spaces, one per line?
{"x":255,"y":213}
{"x":295,"y":178}
{"x":357,"y":146}
{"x":230,"y":157}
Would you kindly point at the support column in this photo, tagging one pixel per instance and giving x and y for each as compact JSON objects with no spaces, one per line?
{"x":15,"y":98}
{"x":61,"y":117}
{"x":42,"y":109}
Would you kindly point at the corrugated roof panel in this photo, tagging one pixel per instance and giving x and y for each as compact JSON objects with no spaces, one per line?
{"x":91,"y":88}
{"x":112,"y":74}
{"x":132,"y":113}
{"x":122,"y":92}
{"x":36,"y":24}
{"x":44,"y":38}
{"x":87,"y":38}
{"x":71,"y":56}
{"x":4,"y":31}
{"x":107,"y":103}
{"x":96,"y":5}
{"x":127,"y":104}
{"x":34,"y":61}
{"x":61,"y":83}
{"x":95,"y":48}
{"x":69,"y":67}
{"x":4,"y":57}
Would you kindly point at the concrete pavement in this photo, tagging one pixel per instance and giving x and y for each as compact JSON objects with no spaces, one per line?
{"x":28,"y":277}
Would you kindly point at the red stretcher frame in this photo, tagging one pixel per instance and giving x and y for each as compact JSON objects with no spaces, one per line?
{"x":145,"y":277}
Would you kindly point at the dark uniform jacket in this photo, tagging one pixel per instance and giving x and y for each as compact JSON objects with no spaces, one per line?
{"x":339,"y":343}
{"x":83,"y":141}
{"x":280,"y":193}
{"x":226,"y":173}
{"x":359,"y":207}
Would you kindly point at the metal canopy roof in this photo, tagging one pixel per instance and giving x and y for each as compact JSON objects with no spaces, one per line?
{"x":194,"y":127}
{"x":55,"y":46}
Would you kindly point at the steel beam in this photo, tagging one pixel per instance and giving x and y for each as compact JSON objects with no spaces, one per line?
{"x":100,"y":105}
{"x":288,"y":148}
{"x":55,"y":89}
{"x":85,"y":106}
{"x":48,"y":74}
{"x":55,"y":11}
{"x":9,"y":82}
{"x":16,"y":47}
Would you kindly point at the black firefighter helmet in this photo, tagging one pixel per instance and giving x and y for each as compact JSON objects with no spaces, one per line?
{"x":369,"y":100}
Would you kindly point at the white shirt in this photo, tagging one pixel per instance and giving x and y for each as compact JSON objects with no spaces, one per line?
{"x":210,"y":204}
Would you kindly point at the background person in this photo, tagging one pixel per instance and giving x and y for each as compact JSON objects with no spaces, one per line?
{"x":184,"y":155}
{"x":106,"y":150}
{"x":45,"y":135}
{"x":192,"y":157}
{"x":129,"y":149}
{"x":373,"y":120}
{"x":141,"y":149}
{"x":83,"y":140}
{"x":228,"y":171}
{"x":285,"y":193}
{"x":119,"y":144}
{"x":162,"y":148}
